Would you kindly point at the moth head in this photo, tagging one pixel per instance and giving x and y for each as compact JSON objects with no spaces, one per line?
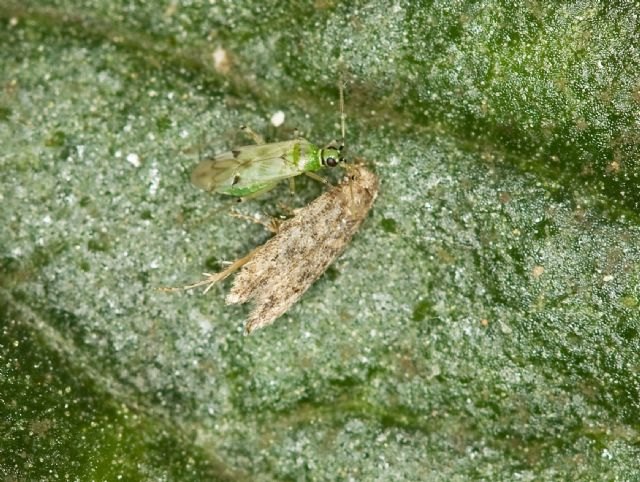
{"x":332,"y":155}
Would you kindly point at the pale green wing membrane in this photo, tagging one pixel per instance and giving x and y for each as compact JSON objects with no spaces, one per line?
{"x":248,"y":166}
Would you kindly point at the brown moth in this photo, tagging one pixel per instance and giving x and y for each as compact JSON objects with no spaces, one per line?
{"x":281,"y":270}
{"x":275,"y":275}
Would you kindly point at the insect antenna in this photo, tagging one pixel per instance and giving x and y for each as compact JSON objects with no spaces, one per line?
{"x":342,"y":115}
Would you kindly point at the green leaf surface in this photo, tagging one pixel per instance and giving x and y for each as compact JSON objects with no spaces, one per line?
{"x":483,"y":324}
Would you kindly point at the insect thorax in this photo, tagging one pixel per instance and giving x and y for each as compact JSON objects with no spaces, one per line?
{"x":305,"y":156}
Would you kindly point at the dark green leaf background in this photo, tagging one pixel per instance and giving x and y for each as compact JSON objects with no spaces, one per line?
{"x":482,"y":324}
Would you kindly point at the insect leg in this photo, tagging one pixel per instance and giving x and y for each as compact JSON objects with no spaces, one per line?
{"x":257,"y":138}
{"x":298,"y":134}
{"x":229,"y":204}
{"x":318,"y":178}
{"x":257,"y":193}
{"x":272,"y":224}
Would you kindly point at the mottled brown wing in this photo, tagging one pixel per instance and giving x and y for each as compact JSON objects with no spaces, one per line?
{"x":281,"y":270}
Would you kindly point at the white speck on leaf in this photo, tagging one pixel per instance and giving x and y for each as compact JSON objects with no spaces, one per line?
{"x":221,"y":60}
{"x":154,"y":183}
{"x":133,"y":159}
{"x":277,"y":119}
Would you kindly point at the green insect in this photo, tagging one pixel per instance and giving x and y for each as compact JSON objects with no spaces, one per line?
{"x":254,"y":169}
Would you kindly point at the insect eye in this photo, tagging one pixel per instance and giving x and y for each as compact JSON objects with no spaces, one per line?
{"x":331,"y":161}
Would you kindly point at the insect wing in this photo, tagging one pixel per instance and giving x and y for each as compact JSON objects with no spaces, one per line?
{"x":215,"y":174}
{"x":276,"y":274}
{"x":247,"y":166}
